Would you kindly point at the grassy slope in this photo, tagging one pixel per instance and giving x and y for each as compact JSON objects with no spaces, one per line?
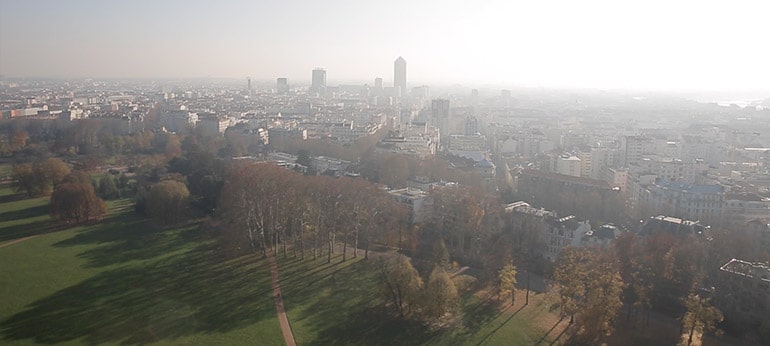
{"x":345,"y":309}
{"x":21,"y":217}
{"x":124,"y":281}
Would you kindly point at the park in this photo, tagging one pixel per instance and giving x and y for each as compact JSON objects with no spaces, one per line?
{"x":125,"y":280}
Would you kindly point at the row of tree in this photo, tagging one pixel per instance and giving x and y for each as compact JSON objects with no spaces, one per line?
{"x":264,"y":205}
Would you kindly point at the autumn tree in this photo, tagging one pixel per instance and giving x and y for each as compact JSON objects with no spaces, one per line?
{"x":40,"y":178}
{"x":507,"y":280}
{"x":167,"y":202}
{"x":700,"y":316}
{"x":401,"y":284}
{"x":589,"y":286}
{"x":75,"y":202}
{"x":108,"y":189}
{"x":440,"y":255}
{"x":440,"y":295}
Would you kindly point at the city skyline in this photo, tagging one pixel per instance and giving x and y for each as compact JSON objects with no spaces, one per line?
{"x":685,"y":45}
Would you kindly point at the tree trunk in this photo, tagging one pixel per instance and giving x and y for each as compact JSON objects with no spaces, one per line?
{"x":526,"y":299}
{"x":302,"y":243}
{"x":355,"y":244}
{"x":692,"y":331}
{"x":315,"y":244}
{"x":345,"y":248}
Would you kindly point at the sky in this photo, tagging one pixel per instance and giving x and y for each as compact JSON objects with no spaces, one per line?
{"x":650,"y":45}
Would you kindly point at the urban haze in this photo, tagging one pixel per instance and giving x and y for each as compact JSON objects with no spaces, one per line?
{"x":384,"y":173}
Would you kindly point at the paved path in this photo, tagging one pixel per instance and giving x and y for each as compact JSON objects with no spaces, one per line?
{"x":16,"y":241}
{"x":288,"y":336}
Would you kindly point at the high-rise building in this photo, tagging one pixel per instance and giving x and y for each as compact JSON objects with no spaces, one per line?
{"x":378,"y":83}
{"x":399,"y":76}
{"x":282,"y":85}
{"x":471,"y":125}
{"x":440,"y":117}
{"x":319,"y":80}
{"x":248,"y":81}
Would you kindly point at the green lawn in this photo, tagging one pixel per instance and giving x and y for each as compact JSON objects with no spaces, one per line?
{"x":21,"y":217}
{"x":126,"y":281}
{"x":339,"y":304}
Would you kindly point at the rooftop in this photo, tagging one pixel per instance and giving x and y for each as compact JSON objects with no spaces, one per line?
{"x":748,"y":269}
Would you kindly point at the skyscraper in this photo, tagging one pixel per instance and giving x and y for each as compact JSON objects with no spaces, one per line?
{"x":319,"y":80}
{"x":399,"y":76}
{"x":378,"y":83}
{"x":282,"y":85}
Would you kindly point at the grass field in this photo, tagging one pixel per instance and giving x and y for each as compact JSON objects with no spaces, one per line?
{"x":125,"y":281}
{"x":339,"y":304}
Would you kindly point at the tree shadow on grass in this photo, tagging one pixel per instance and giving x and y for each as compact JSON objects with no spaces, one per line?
{"x":339,"y":304}
{"x":373,"y":326}
{"x":20,"y":214}
{"x":179,"y":295}
{"x":28,"y":230}
{"x":478,"y":315}
{"x":126,"y":238}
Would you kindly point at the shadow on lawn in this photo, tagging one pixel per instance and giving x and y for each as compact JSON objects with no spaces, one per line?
{"x":33,"y":211}
{"x":345,"y":306}
{"x":188,"y":292}
{"x":27,"y":229}
{"x":373,"y":326}
{"x":126,"y":237}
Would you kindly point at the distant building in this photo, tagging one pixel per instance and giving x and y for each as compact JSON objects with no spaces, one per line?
{"x":485,"y":169}
{"x":568,"y":165}
{"x":743,"y":293}
{"x":181,"y":120}
{"x":329,"y":165}
{"x":471,"y":125}
{"x":563,"y":232}
{"x":738,"y":209}
{"x":634,"y":147}
{"x":399,"y":76}
{"x":318,"y":83}
{"x":212,"y":124}
{"x":602,"y":236}
{"x":474,"y":142}
{"x":440,"y":117}
{"x":282,"y":85}
{"x":697,"y":202}
{"x":672,"y":225}
{"x":418,"y":202}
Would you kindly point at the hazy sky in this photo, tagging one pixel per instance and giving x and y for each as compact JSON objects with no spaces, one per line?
{"x":606,"y":44}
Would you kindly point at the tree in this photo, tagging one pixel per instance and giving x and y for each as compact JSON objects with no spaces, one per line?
{"x":75,"y":202}
{"x":507,"y":280}
{"x":700,"y":316}
{"x":40,"y":178}
{"x":401,"y":283}
{"x":440,"y":294}
{"x":25,"y":180}
{"x":590,"y":287}
{"x":53,"y":171}
{"x":440,"y":255}
{"x":107,"y":187}
{"x":167,"y":202}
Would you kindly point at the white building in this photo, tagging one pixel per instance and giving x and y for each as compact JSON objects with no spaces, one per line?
{"x":418,"y":202}
{"x":568,"y":165}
